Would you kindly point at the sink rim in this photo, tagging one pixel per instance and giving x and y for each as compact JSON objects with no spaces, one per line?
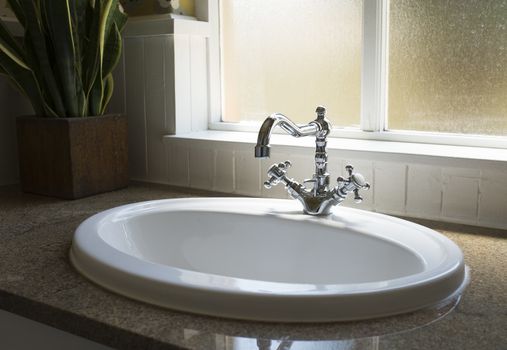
{"x":89,"y":252}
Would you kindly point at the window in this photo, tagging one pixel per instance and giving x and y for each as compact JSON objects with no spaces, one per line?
{"x":448,"y":66}
{"x":398,"y":67}
{"x":290,"y":56}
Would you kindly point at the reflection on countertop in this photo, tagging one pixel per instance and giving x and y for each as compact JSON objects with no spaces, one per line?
{"x":37,"y":281}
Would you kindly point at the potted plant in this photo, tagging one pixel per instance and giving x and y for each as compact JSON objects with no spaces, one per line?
{"x":64,"y":64}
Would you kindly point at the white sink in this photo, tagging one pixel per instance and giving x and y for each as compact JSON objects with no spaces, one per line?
{"x":261,"y":259}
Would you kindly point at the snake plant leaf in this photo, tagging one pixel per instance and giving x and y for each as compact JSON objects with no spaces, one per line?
{"x":108,"y":92}
{"x":109,"y":8}
{"x":18,"y":10}
{"x":96,"y":94}
{"x":112,"y":51}
{"x":9,"y":52}
{"x":78,"y":16}
{"x":9,"y":40}
{"x":91,"y":57}
{"x":35,"y":31}
{"x":120,"y":17}
{"x":25,"y":81}
{"x":60,"y":31}
{"x":96,"y":97}
{"x":69,"y":50}
{"x":33,"y":62}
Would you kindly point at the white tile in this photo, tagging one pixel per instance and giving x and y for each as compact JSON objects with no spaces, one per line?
{"x":134,"y":89}
{"x":169,"y":77}
{"x":493,"y":199}
{"x":460,"y":198}
{"x":182,"y":85}
{"x":223,"y":179}
{"x":303,"y":167}
{"x":199,"y":85}
{"x":279,"y":190}
{"x":201,"y":167}
{"x":247,"y":173}
{"x":389,"y":187}
{"x":424,"y":191}
{"x":474,"y":173}
{"x":178,"y":160}
{"x":154,"y":83}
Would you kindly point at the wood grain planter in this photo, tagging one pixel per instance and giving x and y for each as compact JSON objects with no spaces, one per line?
{"x":72,"y":157}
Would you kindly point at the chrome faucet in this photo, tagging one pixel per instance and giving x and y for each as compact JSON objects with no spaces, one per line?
{"x":319,"y":199}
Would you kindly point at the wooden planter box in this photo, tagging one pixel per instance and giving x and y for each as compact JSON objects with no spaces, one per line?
{"x":72,"y":157}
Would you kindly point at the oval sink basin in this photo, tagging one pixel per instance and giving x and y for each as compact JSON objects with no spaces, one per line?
{"x":262,"y":259}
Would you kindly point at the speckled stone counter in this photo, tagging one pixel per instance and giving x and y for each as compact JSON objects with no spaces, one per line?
{"x":37,"y":282}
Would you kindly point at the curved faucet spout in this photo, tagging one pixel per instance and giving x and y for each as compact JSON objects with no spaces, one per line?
{"x":277,"y":119}
{"x":319,"y":199}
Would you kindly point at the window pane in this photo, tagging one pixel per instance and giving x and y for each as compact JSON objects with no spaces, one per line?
{"x":448,"y":66}
{"x":289,"y":56}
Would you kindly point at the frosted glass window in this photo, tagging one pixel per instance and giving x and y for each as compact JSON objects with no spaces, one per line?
{"x":448,"y":66}
{"x":289,"y":56}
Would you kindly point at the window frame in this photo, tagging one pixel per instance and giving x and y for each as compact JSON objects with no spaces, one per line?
{"x":374,"y":88}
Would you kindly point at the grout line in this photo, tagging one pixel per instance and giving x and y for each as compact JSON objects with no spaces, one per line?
{"x":406,"y":188}
{"x":234,"y":180}
{"x":146,"y":165}
{"x":442,"y":187}
{"x":479,"y":195}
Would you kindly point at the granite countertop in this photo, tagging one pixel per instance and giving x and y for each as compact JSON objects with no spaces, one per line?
{"x":37,"y":282}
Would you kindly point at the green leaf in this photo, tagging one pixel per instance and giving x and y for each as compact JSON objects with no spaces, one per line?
{"x":25,"y":81}
{"x":91,"y":57}
{"x":112,"y":51}
{"x":78,"y":20}
{"x":60,"y":31}
{"x":96,"y":97}
{"x":37,"y":45}
{"x":108,"y":92}
{"x":9,"y":40}
{"x":18,"y":10}
{"x":11,"y":53}
{"x":106,"y":21}
{"x":120,"y":18}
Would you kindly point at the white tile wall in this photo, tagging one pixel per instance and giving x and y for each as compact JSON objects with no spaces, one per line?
{"x":454,"y":194}
{"x":247,"y":172}
{"x":223,"y":171}
{"x":201,"y":167}
{"x":135,"y":105}
{"x":389,"y":187}
{"x":165,"y":92}
{"x":424,"y":191}
{"x":461,"y":194}
{"x":154,"y":109}
{"x":178,"y":164}
{"x":493,"y":195}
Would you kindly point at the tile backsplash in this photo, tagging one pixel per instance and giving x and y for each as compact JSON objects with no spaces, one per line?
{"x":453,"y":194}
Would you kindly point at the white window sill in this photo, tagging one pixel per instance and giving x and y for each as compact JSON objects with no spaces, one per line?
{"x":356,"y":145}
